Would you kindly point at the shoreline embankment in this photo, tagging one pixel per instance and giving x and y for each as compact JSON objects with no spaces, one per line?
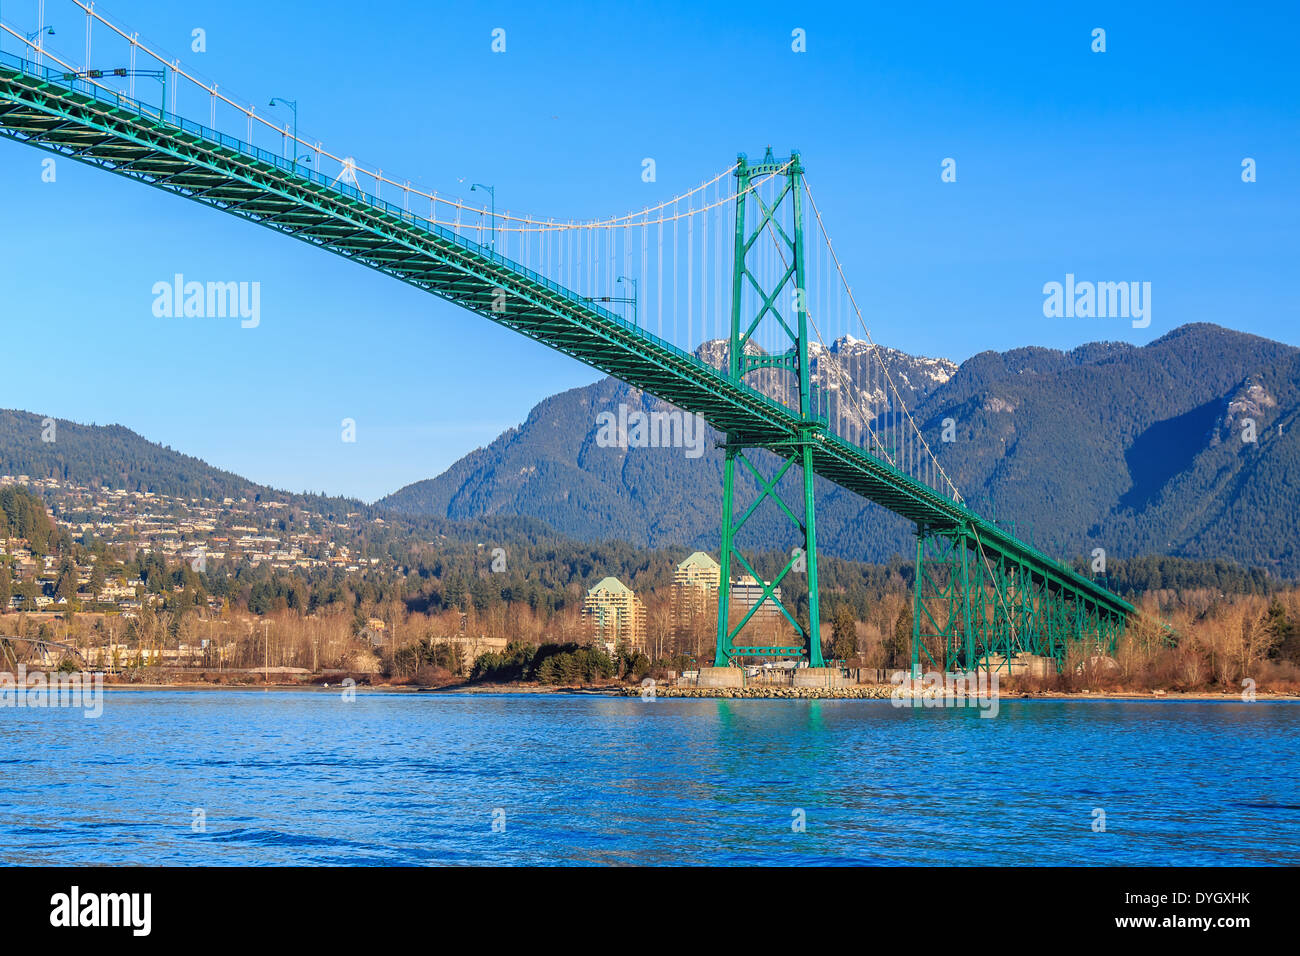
{"x":858,"y":692}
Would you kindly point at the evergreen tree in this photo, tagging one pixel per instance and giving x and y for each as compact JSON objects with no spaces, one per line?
{"x":844,"y":635}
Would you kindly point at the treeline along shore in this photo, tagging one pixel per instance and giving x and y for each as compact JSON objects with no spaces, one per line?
{"x":437,"y":613}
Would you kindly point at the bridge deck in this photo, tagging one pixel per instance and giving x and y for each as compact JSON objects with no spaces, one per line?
{"x":78,"y":119}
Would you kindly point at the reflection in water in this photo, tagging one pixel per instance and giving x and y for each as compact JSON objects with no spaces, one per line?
{"x":296,"y":777}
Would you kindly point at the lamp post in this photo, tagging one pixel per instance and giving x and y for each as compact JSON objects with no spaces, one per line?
{"x":48,"y":31}
{"x":491,"y":191}
{"x":293,"y":105}
{"x":620,"y":281}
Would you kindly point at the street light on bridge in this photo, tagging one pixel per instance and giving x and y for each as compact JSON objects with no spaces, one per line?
{"x":492,"y":191}
{"x":620,"y":281}
{"x":30,"y":37}
{"x":293,"y":105}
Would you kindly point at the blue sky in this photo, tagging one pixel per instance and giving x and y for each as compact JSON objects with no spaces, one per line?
{"x":1118,"y":166}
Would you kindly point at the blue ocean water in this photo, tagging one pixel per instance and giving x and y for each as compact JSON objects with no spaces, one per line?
{"x":293,"y":777}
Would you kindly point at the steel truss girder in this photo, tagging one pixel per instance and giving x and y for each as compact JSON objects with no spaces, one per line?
{"x":975,"y":605}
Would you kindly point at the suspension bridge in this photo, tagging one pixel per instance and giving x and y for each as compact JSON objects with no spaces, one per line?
{"x":743,"y":260}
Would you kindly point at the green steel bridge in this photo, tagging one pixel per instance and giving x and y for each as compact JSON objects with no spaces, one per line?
{"x":982,"y":596}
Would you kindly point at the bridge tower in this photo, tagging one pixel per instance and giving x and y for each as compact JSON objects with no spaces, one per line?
{"x":777,"y":297}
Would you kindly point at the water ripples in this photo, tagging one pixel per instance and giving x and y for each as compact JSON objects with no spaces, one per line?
{"x":415,"y":779}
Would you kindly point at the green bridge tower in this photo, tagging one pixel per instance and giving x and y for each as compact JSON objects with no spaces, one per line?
{"x":778,"y":299}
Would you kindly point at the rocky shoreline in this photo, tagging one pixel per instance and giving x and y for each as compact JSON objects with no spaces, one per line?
{"x":857,"y":692}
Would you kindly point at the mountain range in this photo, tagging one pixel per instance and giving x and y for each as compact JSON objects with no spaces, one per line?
{"x":1133,"y":449}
